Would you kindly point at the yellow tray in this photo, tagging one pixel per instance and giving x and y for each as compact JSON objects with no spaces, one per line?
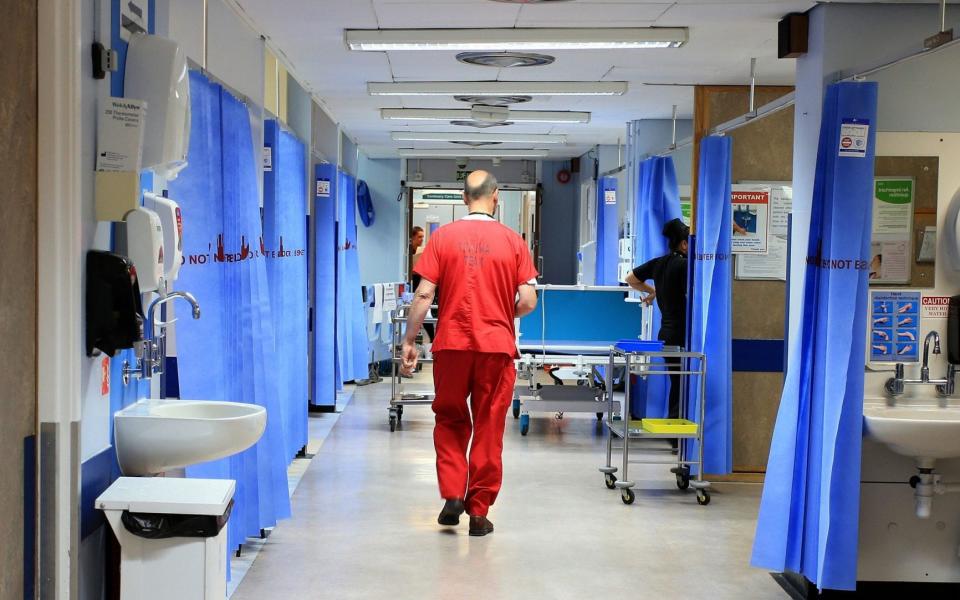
{"x":681,"y":426}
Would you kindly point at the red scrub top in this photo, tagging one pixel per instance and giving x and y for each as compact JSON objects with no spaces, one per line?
{"x":478,"y":265}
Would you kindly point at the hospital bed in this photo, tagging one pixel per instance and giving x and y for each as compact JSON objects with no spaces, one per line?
{"x":570,"y":335}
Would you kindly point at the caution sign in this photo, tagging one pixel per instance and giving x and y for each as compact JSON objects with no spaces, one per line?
{"x":935,"y":307}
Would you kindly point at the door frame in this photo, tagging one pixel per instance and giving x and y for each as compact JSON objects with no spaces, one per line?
{"x":59,"y":295}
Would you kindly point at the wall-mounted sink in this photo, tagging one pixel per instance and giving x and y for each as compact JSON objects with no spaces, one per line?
{"x":153,"y":436}
{"x":927,"y":433}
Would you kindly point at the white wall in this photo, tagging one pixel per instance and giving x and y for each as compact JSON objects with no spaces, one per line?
{"x":235,"y":52}
{"x":95,"y":408}
{"x":884,"y":32}
{"x":382,"y":246}
{"x":922,"y":94}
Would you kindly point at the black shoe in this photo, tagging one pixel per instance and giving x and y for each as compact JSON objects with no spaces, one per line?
{"x":450,"y":515}
{"x":480,"y":526}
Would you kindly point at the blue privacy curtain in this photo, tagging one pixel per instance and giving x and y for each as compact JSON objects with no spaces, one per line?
{"x":227,"y":353}
{"x":324,"y":268}
{"x":284,"y":244}
{"x":809,"y":512}
{"x":353,"y":350}
{"x":656,"y":203}
{"x":710,"y":330}
{"x":608,"y":232}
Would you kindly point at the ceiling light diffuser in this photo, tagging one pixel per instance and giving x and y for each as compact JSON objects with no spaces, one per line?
{"x":558,"y":38}
{"x":467,"y":136}
{"x":499,"y":88}
{"x":465,"y":114}
{"x":468,"y":152}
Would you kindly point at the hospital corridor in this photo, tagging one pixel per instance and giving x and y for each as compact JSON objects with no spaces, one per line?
{"x":480,"y":299}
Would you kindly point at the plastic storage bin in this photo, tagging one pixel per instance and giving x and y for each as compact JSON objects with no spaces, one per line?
{"x":172,"y":534}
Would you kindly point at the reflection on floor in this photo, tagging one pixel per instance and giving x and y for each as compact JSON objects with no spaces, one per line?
{"x":364,"y":523}
{"x":319,"y":427}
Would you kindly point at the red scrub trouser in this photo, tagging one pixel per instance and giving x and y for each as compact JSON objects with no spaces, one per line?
{"x":488,"y":380}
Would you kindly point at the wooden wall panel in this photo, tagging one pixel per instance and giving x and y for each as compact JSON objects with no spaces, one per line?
{"x":762,"y":151}
{"x":18,"y":279}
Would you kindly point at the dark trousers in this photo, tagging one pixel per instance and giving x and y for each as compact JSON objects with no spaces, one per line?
{"x":673,"y":338}
{"x":674,"y":364}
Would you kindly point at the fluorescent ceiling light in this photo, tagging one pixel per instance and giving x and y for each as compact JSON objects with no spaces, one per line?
{"x":515,"y":39}
{"x":466,"y":114}
{"x":470,"y":152}
{"x":467,"y":136}
{"x":499,"y":88}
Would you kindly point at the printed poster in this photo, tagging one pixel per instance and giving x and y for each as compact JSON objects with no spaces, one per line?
{"x":773,"y":264}
{"x":894,"y":326}
{"x":891,"y":245}
{"x":751,"y":218}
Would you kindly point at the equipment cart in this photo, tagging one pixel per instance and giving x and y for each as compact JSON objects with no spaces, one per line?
{"x":638,"y":362}
{"x":405,"y":394}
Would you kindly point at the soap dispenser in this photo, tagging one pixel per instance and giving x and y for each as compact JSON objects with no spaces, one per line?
{"x":171,"y":222}
{"x":114,"y":310}
{"x":145,"y":247}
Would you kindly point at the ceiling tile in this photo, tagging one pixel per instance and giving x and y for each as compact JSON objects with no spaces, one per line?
{"x":599,"y":14}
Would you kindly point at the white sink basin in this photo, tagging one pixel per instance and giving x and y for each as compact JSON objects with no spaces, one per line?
{"x":153,"y":436}
{"x":926,"y":433}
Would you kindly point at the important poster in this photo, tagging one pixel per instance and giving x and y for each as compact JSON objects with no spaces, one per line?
{"x":773,"y":264}
{"x":751,"y":218}
{"x":891,"y":245}
{"x":894,"y":326}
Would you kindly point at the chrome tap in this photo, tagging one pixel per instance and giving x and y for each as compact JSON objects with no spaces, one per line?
{"x":148,"y":333}
{"x":925,"y":369}
{"x":945,"y":387}
{"x":152,"y":350}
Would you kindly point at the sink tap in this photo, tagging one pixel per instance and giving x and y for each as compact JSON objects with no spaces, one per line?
{"x":148,"y":332}
{"x":925,"y":369}
{"x":153,"y":350}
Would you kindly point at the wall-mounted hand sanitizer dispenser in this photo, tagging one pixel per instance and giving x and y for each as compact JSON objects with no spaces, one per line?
{"x":156,"y":71}
{"x":172,"y":224}
{"x":114,"y":310}
{"x":145,"y":247}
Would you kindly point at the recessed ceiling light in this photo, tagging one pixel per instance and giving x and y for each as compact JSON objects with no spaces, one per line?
{"x":498,"y":88}
{"x":479,"y":124}
{"x":558,"y":38}
{"x":464,"y":114}
{"x":454,"y":136}
{"x":505,"y":60}
{"x":468,"y":152}
{"x":493,"y":100}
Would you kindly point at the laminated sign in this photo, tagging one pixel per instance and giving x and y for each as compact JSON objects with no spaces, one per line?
{"x":853,"y":137}
{"x":895,"y":326}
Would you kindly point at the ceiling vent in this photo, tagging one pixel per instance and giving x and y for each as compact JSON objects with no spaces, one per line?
{"x":480,"y":124}
{"x":505,"y":60}
{"x":474,"y":144}
{"x":494,"y":100}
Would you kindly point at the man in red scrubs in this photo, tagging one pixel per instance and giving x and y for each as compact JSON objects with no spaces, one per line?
{"x":486,"y":276}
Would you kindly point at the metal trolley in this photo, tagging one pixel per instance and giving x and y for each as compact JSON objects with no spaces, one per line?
{"x":400,"y":393}
{"x":640,"y":363}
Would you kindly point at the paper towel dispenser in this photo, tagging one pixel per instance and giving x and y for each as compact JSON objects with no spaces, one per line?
{"x":156,"y":71}
{"x":114,"y":311}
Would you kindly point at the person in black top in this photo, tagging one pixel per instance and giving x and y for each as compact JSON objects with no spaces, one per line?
{"x":669,"y":289}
